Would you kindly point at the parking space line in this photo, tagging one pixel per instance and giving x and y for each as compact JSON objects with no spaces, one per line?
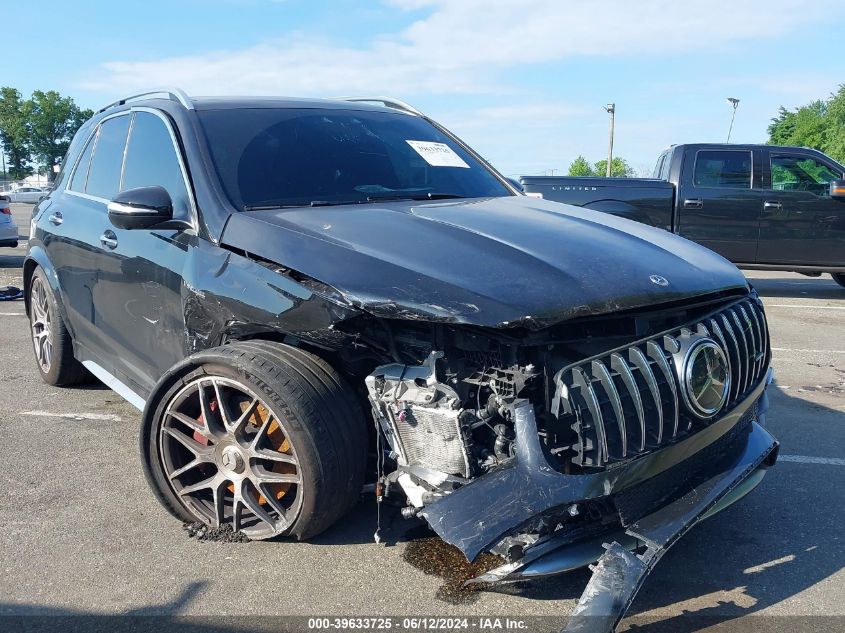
{"x":809,"y":351}
{"x":12,"y":314}
{"x":74,"y":416}
{"x":801,"y":305}
{"x":805,"y":459}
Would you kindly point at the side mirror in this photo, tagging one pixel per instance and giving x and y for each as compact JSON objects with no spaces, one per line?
{"x":837,"y":189}
{"x":141,"y":208}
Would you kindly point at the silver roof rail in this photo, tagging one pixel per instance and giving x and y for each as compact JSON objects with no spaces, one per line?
{"x":174,"y":94}
{"x":388,"y":102}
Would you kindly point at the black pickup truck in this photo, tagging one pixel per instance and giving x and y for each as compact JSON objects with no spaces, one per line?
{"x":760,"y":206}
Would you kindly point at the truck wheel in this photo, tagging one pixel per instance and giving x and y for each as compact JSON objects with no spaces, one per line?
{"x":839,"y":278}
{"x":259,"y":436}
{"x":50,"y":339}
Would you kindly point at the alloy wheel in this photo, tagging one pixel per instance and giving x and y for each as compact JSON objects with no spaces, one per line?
{"x":41,"y":322}
{"x":228,"y":457}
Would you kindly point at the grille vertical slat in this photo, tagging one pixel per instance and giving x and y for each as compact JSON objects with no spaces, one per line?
{"x":639,"y":361}
{"x":747,"y":373}
{"x":719,"y":335}
{"x":582,"y":380}
{"x":761,"y":339}
{"x":736,"y":389}
{"x":618,"y":364}
{"x":752,"y":333}
{"x":656,"y":353}
{"x":600,"y":371}
{"x":627,"y":401}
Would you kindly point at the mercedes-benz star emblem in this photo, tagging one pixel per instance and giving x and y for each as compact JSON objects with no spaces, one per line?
{"x":706,"y":378}
{"x":658,"y":280}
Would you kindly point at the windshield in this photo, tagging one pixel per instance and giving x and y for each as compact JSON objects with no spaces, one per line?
{"x":271,"y":157}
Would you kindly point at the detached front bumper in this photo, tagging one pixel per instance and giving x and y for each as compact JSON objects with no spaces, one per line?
{"x":619,"y":574}
{"x":710,"y":469}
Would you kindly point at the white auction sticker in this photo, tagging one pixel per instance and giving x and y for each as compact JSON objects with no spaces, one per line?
{"x":437,"y":154}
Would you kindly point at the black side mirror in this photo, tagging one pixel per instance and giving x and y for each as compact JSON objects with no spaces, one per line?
{"x":142,"y":208}
{"x":837,"y":189}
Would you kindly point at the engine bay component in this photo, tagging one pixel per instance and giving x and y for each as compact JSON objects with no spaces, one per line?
{"x":420,"y":416}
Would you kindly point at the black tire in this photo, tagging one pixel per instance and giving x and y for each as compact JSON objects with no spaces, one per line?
{"x":63,"y":369}
{"x":839,"y":278}
{"x":323,"y":421}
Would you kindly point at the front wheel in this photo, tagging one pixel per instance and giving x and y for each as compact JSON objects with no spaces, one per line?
{"x":262,"y":437}
{"x":839,"y":278}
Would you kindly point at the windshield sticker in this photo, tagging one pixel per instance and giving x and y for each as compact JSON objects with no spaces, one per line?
{"x":437,"y":154}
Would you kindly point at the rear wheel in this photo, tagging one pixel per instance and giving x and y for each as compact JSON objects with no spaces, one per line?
{"x":50,"y":339}
{"x":839,"y":278}
{"x":259,"y":436}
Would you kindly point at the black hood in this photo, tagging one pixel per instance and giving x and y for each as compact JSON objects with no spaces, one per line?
{"x":493,"y":262}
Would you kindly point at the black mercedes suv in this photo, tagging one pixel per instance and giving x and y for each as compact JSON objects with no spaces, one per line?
{"x":285,"y":287}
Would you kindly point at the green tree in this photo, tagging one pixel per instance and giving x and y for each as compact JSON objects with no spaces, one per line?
{"x":581,"y":167}
{"x":14,"y":134}
{"x":820,"y":124}
{"x":52,"y":120}
{"x":619,"y":168}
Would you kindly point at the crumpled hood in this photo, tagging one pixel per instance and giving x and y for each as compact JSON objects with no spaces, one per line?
{"x":491,"y":262}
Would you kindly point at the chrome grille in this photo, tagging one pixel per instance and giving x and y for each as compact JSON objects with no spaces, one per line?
{"x":626,"y":402}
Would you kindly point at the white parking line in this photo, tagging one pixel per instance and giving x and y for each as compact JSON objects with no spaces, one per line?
{"x":804,"y":459}
{"x":12,"y":314}
{"x":808,"y":351}
{"x":74,"y":416}
{"x":802,"y":305}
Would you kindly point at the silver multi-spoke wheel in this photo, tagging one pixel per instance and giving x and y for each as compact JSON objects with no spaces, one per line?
{"x":41,"y":322}
{"x":229,"y":458}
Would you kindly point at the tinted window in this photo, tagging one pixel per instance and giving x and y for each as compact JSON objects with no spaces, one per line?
{"x":287,"y":156}
{"x":658,"y":168}
{"x":802,"y":173}
{"x":104,"y":175}
{"x":151,"y":160}
{"x":723,"y":168}
{"x":77,"y":183}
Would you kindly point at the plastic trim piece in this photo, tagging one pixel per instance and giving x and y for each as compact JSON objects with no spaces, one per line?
{"x":115,"y":385}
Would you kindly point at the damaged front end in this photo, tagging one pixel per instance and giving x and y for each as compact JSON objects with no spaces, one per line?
{"x":548,"y":449}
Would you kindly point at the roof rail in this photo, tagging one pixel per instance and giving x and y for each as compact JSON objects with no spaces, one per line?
{"x":174,"y":94}
{"x":388,"y":102}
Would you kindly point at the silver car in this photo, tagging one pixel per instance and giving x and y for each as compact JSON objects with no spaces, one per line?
{"x":26,"y":194}
{"x":8,"y":230}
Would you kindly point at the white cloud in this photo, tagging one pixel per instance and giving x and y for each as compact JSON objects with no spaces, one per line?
{"x":463,"y":47}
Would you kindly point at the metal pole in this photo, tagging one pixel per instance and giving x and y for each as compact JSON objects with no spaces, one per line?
{"x":611,"y":109}
{"x":734,"y":102}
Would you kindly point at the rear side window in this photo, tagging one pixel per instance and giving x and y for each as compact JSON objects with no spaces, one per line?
{"x":151,"y":159}
{"x":106,"y":165}
{"x":724,"y":169}
{"x":658,"y":168}
{"x":77,"y":183}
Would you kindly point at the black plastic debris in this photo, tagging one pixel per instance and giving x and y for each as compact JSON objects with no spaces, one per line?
{"x":10,"y":293}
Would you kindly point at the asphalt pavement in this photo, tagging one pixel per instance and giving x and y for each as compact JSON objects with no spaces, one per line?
{"x":81,"y":533}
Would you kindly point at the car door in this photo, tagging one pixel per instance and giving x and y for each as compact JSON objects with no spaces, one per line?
{"x":72,"y":236}
{"x":802,"y":224}
{"x":720,"y":204}
{"x":138,"y":296}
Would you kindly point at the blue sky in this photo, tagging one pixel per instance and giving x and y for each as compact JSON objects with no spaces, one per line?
{"x":522,"y":82}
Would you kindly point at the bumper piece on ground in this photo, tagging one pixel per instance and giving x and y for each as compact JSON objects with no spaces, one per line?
{"x":619,"y":574}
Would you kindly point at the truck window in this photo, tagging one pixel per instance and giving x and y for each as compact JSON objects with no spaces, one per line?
{"x":801,"y":173}
{"x":658,"y":168}
{"x":724,"y":169}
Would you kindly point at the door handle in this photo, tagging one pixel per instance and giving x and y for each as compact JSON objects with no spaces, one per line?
{"x":109,"y":240}
{"x":56,"y":218}
{"x":693,"y":203}
{"x":772,"y":205}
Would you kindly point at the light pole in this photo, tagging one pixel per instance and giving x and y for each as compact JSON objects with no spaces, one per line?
{"x":611,"y":110}
{"x":734,"y":102}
